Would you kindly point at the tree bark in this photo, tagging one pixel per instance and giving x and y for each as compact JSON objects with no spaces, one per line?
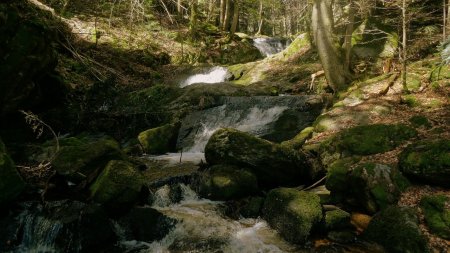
{"x":223,"y":5}
{"x":261,"y":20}
{"x":235,"y":22}
{"x":226,"y":20}
{"x":329,"y":54}
{"x":348,"y":35}
{"x":404,"y":46}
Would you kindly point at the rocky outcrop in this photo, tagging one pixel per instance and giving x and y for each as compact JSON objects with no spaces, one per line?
{"x":427,"y":161}
{"x":397,"y":230}
{"x":119,"y":186}
{"x":295,"y":214}
{"x":159,"y":140}
{"x":225,"y":182}
{"x":369,"y":186}
{"x":11,"y":183}
{"x":272,"y":164}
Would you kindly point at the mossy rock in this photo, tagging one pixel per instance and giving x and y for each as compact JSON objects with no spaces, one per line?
{"x":225,"y":182}
{"x":440,"y":73}
{"x":301,"y":42}
{"x":337,"y":219}
{"x":294,"y":214}
{"x":11,"y":183}
{"x":83,"y":157}
{"x":159,"y":140}
{"x":370,"y":139}
{"x":337,"y":177}
{"x":376,"y":186}
{"x":118,"y":186}
{"x":272,"y":164}
{"x":300,"y":139}
{"x":253,"y":207}
{"x":419,"y":121}
{"x":437,"y":216}
{"x":427,"y":161}
{"x":397,"y":230}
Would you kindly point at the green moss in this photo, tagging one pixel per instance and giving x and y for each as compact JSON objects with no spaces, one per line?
{"x":295,"y":214}
{"x":440,"y":73}
{"x":413,"y":82}
{"x":337,"y":178}
{"x":252,"y":209}
{"x":397,"y":230}
{"x":159,"y":140}
{"x":228,"y":182}
{"x":301,"y":42}
{"x":411,"y":100}
{"x":437,"y":216}
{"x":119,"y":184}
{"x":373,"y":139}
{"x":337,"y":219}
{"x":420,"y":121}
{"x":300,"y":139}
{"x":427,"y":160}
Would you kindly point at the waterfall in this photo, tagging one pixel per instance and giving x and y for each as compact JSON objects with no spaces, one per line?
{"x":202,"y":227}
{"x":213,"y":75}
{"x":270,"y":46}
{"x":254,"y":121}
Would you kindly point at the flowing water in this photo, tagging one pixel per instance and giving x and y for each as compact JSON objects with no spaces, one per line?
{"x":213,"y":75}
{"x":270,"y":46}
{"x":203,"y":228}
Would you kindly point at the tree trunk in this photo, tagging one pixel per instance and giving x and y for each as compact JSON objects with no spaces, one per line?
{"x":223,"y":5}
{"x":211,"y":9}
{"x":226,"y":20}
{"x":235,"y":22}
{"x":348,"y":35}
{"x":193,"y":21}
{"x":329,"y":54}
{"x":261,"y":20}
{"x":179,"y":8}
{"x":404,"y":46}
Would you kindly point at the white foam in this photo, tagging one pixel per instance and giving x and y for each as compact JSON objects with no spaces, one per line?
{"x":214,"y":75}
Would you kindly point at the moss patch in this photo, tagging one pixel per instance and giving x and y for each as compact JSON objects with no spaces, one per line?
{"x":437,"y":216}
{"x":159,"y":140}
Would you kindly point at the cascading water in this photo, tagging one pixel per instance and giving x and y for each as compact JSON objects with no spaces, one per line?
{"x":270,"y":46}
{"x":202,"y":227}
{"x":213,"y":75}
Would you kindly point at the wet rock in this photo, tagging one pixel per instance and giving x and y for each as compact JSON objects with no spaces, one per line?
{"x":11,"y":183}
{"x":437,"y":216}
{"x":146,"y":224}
{"x":295,"y":214}
{"x":428,"y":161}
{"x":397,"y":230}
{"x":253,"y":207}
{"x":369,"y":186}
{"x":119,"y":185}
{"x":272,"y":164}
{"x":225,"y":182}
{"x":159,"y":140}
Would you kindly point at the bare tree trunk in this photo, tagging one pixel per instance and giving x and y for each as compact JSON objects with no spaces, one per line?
{"x":226,"y":20}
{"x":404,"y":46}
{"x":193,"y":21}
{"x":235,"y":22}
{"x":348,"y":35}
{"x":444,"y":24}
{"x":179,"y":8}
{"x":223,"y":5}
{"x":330,"y":57}
{"x":261,"y":20}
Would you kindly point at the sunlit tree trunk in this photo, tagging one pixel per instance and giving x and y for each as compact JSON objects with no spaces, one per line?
{"x":329,"y":54}
{"x":404,"y":45}
{"x":227,"y":16}
{"x":261,"y":20}
{"x":179,"y":8}
{"x":348,"y":35}
{"x":235,"y":22}
{"x":223,"y":5}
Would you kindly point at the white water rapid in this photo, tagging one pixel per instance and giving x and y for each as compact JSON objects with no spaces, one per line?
{"x":213,"y":75}
{"x":253,"y":122}
{"x":270,"y":46}
{"x":203,"y":228}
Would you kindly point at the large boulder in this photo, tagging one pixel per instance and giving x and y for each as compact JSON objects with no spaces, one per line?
{"x":397,"y":230}
{"x":119,"y":185}
{"x":11,"y":183}
{"x":146,"y":224}
{"x":428,"y":161}
{"x":295,"y":214}
{"x":369,"y":186}
{"x":437,"y":216}
{"x":273,"y":165}
{"x":159,"y":140}
{"x":80,"y":159}
{"x":225,"y":182}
